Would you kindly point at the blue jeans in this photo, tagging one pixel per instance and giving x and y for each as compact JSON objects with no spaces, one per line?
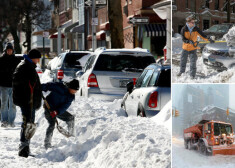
{"x":28,"y":116}
{"x":8,"y":108}
{"x":193,"y":61}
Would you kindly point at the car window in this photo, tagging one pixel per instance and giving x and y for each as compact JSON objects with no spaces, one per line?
{"x":164,"y":79}
{"x":147,"y":77}
{"x":89,"y":63}
{"x":140,"y":79}
{"x":154,"y":78}
{"x":59,"y":62}
{"x":75,"y":60}
{"x":219,"y":28}
{"x":128,"y":63}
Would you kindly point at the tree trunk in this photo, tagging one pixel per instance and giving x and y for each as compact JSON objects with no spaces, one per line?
{"x":28,"y":31}
{"x":116,"y":23}
{"x":13,"y":31}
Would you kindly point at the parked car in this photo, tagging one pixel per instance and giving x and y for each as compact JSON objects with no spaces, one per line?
{"x":218,"y":31}
{"x":151,"y":92}
{"x":107,"y":72}
{"x":219,"y":56}
{"x":67,"y":64}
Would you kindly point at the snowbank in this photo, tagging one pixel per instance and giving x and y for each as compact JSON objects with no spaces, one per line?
{"x":177,"y":44}
{"x":164,"y":117}
{"x":230,"y":37}
{"x":104,"y":137}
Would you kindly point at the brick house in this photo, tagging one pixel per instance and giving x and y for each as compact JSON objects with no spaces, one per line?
{"x":207,"y":13}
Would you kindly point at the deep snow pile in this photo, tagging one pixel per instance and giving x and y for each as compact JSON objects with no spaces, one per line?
{"x":104,"y":137}
{"x":164,"y":117}
{"x":230,"y":37}
{"x":204,"y":74}
{"x":177,"y":44}
{"x":193,"y":159}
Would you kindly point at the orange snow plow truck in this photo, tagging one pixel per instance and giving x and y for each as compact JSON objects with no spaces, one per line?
{"x":210,"y":138}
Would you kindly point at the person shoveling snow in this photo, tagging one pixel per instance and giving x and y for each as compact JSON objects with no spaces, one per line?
{"x":190,"y":45}
{"x":59,"y":100}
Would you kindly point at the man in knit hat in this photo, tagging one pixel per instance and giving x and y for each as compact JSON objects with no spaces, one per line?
{"x":59,"y":100}
{"x":27,"y":94}
{"x":8,"y":63}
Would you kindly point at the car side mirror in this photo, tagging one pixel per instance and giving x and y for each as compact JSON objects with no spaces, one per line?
{"x":130,"y":87}
{"x":79,"y":73}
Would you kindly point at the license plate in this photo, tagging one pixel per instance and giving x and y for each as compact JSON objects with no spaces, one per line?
{"x":123,"y":83}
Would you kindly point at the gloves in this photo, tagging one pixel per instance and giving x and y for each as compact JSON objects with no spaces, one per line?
{"x":211,"y":41}
{"x":53,"y":113}
{"x":191,"y":42}
{"x":186,"y":41}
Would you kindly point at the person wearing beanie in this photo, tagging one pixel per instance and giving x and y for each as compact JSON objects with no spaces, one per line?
{"x":27,"y":94}
{"x":8,"y":63}
{"x":59,"y":100}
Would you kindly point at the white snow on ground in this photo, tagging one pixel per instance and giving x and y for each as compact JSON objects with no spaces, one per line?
{"x":104,"y":137}
{"x":192,"y":159}
{"x":164,"y":117}
{"x":230,"y":37}
{"x":204,"y":74}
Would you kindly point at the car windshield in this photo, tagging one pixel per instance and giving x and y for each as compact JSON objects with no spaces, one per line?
{"x":220,"y":129}
{"x":75,"y":60}
{"x":123,"y":63}
{"x":164,"y":79}
{"x":219,"y":28}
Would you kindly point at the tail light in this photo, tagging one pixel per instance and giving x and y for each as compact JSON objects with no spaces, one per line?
{"x":153,"y":100}
{"x":134,"y":81}
{"x":60,"y":74}
{"x":92,"y":81}
{"x":164,"y":51}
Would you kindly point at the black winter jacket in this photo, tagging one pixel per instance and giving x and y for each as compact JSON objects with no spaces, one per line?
{"x":59,"y":99}
{"x":24,"y":78}
{"x":8,"y":65}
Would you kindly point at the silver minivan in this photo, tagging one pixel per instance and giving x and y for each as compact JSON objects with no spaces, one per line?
{"x":108,"y":71}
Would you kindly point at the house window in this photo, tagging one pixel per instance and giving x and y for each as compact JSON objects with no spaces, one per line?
{"x":193,"y":5}
{"x":186,"y":3}
{"x":207,"y":4}
{"x":130,"y":1}
{"x":216,"y":4}
{"x":225,"y":7}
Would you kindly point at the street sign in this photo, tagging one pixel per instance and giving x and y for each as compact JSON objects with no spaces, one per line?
{"x":94,"y":22}
{"x":98,"y":2}
{"x":45,"y":34}
{"x":139,"y":20}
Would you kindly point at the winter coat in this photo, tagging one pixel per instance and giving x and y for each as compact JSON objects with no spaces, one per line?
{"x":59,"y":99}
{"x":8,"y":64}
{"x":186,"y":36}
{"x":26,"y":83}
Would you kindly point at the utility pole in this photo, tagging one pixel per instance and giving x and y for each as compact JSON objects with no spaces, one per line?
{"x":94,"y":43}
{"x":228,"y":11}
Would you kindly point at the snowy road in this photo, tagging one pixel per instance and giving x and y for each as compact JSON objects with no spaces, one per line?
{"x":104,"y":137}
{"x":192,"y":159}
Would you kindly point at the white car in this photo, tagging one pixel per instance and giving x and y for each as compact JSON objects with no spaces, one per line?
{"x":107,"y":72}
{"x":151,"y":92}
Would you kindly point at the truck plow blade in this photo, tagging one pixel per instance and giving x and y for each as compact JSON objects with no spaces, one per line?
{"x":224,"y":150}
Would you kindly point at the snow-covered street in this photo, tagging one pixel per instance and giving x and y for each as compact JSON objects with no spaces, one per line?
{"x":193,"y":159}
{"x":104,"y":137}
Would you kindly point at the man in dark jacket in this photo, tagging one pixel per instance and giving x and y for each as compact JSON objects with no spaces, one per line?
{"x":27,"y":94}
{"x":59,"y":100}
{"x":8,"y":63}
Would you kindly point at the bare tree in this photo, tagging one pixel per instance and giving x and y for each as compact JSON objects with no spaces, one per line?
{"x":35,"y":13}
{"x":116,"y":23}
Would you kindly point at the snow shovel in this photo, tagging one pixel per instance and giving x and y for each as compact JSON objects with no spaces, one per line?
{"x":60,"y":129}
{"x":30,"y":126}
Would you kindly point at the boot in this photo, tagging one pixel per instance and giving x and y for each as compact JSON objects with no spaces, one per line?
{"x":24,"y":152}
{"x":179,"y":74}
